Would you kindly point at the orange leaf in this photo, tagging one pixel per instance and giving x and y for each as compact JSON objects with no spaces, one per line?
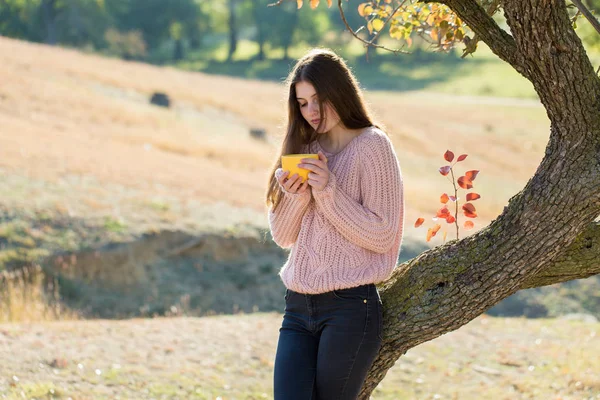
{"x":471,"y":175}
{"x":314,"y":4}
{"x":443,"y":212}
{"x":432,"y":231}
{"x":445,"y":170}
{"x":430,"y":234}
{"x":329,"y":3}
{"x":462,"y":157}
{"x":449,"y":156}
{"x":469,"y":210}
{"x":450,"y":219}
{"x":469,"y":225}
{"x":419,"y":222}
{"x":464,"y":182}
{"x":299,"y":4}
{"x":444,"y":198}
{"x":434,"y":34}
{"x":361,"y":9}
{"x":445,"y":235}
{"x":472,"y":196}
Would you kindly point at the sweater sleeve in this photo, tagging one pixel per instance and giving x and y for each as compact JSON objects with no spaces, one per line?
{"x":374,"y":223}
{"x":285,"y":222}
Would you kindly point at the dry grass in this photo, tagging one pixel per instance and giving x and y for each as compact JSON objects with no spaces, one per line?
{"x":26,"y":298}
{"x":65,"y":113}
{"x":232,"y":358}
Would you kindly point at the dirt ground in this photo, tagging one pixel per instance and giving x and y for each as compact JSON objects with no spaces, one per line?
{"x":231,"y":357}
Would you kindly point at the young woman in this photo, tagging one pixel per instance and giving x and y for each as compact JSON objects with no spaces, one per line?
{"x":344,"y":226}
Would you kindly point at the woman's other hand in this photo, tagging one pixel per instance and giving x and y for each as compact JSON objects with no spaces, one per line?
{"x":319,"y":175}
{"x":292,"y":185}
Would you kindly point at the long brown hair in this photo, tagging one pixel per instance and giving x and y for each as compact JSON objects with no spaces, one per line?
{"x":335,"y":84}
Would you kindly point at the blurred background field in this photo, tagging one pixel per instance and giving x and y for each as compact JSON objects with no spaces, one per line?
{"x":115,"y":208}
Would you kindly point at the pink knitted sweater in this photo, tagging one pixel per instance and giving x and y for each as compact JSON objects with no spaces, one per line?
{"x":349,"y":233}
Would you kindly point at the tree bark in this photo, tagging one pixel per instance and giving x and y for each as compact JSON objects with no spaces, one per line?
{"x":546,"y":234}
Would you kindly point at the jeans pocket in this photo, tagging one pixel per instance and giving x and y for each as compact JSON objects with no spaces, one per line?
{"x":354,"y":293}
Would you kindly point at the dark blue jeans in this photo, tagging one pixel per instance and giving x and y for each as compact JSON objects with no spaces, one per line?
{"x":327,"y":343}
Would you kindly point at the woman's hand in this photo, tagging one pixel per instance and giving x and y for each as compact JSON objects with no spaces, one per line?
{"x":319,"y":176}
{"x":293,"y":185}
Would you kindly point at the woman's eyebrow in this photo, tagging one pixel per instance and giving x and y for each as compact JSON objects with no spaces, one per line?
{"x":300,"y":98}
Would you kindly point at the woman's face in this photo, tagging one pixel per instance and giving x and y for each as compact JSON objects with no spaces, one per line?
{"x":308,"y":102}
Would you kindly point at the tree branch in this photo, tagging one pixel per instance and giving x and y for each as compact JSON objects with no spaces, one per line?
{"x":370,"y":43}
{"x":580,"y":260}
{"x":498,"y":40}
{"x":590,"y":17}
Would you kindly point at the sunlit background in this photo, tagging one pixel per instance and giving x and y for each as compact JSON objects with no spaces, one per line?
{"x":136,"y":138}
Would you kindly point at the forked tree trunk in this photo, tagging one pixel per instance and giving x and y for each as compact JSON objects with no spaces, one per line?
{"x":547,"y":233}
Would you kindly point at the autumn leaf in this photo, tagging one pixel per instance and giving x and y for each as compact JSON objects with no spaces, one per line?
{"x":450,"y":219}
{"x":432,"y":231}
{"x":299,"y":2}
{"x":469,"y":225}
{"x":471,"y":175}
{"x":314,"y":4}
{"x":461,"y":157}
{"x":445,"y":235}
{"x":449,"y":156}
{"x":445,"y":170}
{"x":444,"y":198}
{"x":469,"y":210}
{"x":361,"y":9}
{"x":465,"y":182}
{"x":443,"y":212}
{"x":329,"y":3}
{"x":472,"y":196}
{"x":453,"y":198}
{"x":419,"y":222}
{"x":377,"y":24}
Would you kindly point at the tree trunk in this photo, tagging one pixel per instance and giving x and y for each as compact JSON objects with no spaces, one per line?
{"x":232,"y":30}
{"x":49,"y":16}
{"x":547,"y":233}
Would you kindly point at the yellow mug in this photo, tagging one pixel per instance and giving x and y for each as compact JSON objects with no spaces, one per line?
{"x":290,"y":163}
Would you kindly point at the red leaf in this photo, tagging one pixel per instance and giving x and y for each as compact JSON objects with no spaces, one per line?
{"x":471,"y":175}
{"x":419,"y":222}
{"x":453,"y":198}
{"x":472,"y":196}
{"x":443,"y":212}
{"x":469,"y":210}
{"x":444,"y":170}
{"x":444,"y":198}
{"x":450,"y":219}
{"x":465,"y":182}
{"x":469,"y":225}
{"x":449,"y":156}
{"x":462,"y":157}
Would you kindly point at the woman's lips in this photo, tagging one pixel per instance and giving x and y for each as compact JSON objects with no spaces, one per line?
{"x":315,"y":121}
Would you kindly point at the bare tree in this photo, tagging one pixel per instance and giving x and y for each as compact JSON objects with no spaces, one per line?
{"x":548,"y":232}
